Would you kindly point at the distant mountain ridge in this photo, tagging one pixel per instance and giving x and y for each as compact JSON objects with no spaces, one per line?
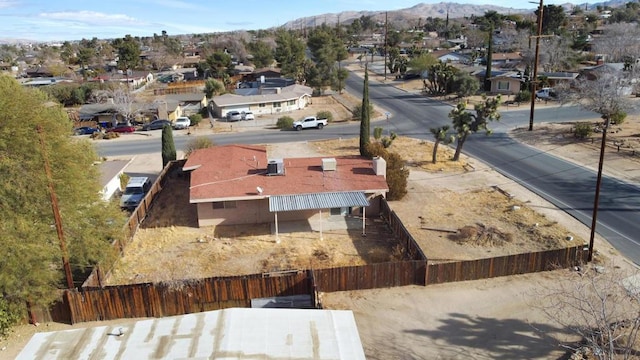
{"x":424,"y":10}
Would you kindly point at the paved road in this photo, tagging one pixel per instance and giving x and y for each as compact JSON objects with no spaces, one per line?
{"x":568,"y":186}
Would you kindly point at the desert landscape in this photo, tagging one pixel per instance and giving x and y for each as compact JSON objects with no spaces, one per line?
{"x":487,"y":319}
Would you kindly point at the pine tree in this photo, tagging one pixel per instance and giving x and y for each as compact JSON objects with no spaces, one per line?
{"x":365,"y":116}
{"x":168,"y":146}
{"x":31,"y":254}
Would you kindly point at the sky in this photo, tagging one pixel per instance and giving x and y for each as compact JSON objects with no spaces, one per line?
{"x":59,"y":20}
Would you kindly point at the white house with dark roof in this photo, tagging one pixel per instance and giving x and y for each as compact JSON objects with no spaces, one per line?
{"x":268,"y":101}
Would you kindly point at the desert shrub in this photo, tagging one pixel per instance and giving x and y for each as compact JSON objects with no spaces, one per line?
{"x":124,"y":180}
{"x":111,"y":135}
{"x":583,"y":130}
{"x":377,"y":132}
{"x":10,"y":315}
{"x":356,"y":111}
{"x":199,"y":142}
{"x":97,"y":135}
{"x":397,"y":173}
{"x":195,"y":119}
{"x":618,"y":118}
{"x":326,"y":114}
{"x":523,"y":96}
{"x":284,"y":122}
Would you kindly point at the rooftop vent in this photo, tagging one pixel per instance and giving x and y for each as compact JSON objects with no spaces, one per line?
{"x":329,"y":164}
{"x":275,"y":167}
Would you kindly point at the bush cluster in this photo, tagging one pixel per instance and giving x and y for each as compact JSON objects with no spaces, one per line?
{"x":284,"y":122}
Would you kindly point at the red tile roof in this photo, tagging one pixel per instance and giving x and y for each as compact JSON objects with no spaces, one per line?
{"x":234,"y":172}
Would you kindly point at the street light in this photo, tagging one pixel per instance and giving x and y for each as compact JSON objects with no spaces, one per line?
{"x":535,"y":66}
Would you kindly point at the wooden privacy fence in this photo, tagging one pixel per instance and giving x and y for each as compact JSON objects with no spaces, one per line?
{"x":134,"y":221}
{"x":400,"y":231}
{"x":159,"y":300}
{"x":372,"y":276}
{"x":506,"y":265}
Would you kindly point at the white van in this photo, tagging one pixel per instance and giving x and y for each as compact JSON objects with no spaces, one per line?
{"x":546,"y":94}
{"x":135,"y":191}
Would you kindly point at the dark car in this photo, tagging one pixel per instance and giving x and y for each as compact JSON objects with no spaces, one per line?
{"x":85,"y":130}
{"x":122,"y":128}
{"x":156,"y":125}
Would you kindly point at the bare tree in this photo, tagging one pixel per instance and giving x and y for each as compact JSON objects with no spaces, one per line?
{"x":605,"y":91}
{"x":602,"y":307}
{"x":619,"y":41}
{"x":556,"y":54}
{"x":123,"y":101}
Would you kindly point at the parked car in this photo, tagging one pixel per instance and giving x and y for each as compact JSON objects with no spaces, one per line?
{"x":135,"y":191}
{"x":85,"y":130}
{"x":181,"y":123}
{"x":248,"y":115}
{"x":234,"y":116}
{"x":156,"y":125}
{"x":122,"y":128}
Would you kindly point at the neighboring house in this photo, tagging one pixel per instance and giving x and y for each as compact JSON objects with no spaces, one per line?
{"x":135,"y":79}
{"x":627,"y":82}
{"x":45,"y":81}
{"x":235,"y":333}
{"x":110,"y":172}
{"x":238,"y":184}
{"x":506,"y":83}
{"x":188,"y":103}
{"x":268,"y":101}
{"x":502,"y":59}
{"x":107,"y":114}
{"x":556,"y":78}
{"x":448,"y":56}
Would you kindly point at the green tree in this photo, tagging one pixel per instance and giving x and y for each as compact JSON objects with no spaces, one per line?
{"x":465,"y":85}
{"x":213,"y":87}
{"x":31,"y":265}
{"x":441,"y":136}
{"x":397,"y":172}
{"x":554,"y":19}
{"x":128,"y":52}
{"x":489,"y":22}
{"x":440,"y":78}
{"x":290,"y":55}
{"x":262,"y":54}
{"x":219,"y":63}
{"x":168,"y":146}
{"x":327,"y":49}
{"x":466,"y":123}
{"x":365,"y":115}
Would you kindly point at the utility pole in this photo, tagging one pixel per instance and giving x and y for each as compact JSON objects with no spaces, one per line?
{"x":386,"y":28}
{"x":534,"y":80}
{"x":56,"y":211}
{"x":596,"y":201}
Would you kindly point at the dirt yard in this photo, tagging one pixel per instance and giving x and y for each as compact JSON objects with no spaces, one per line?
{"x":487,"y":319}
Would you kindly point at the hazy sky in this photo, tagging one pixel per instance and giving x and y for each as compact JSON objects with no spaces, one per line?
{"x":54,"y":20}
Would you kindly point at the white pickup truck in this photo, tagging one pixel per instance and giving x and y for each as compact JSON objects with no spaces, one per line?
{"x":310,"y":122}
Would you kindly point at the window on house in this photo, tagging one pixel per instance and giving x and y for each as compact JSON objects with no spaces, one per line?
{"x":224,"y":205}
{"x":291,"y":102}
{"x":277,"y":104}
{"x":503,"y":85}
{"x":262,"y":105}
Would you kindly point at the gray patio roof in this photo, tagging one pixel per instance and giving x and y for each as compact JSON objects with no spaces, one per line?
{"x":317,"y":201}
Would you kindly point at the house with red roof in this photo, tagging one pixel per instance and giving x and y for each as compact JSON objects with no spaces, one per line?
{"x":239,"y":184}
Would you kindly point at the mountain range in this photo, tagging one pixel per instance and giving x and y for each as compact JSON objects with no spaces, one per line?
{"x":410,"y":16}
